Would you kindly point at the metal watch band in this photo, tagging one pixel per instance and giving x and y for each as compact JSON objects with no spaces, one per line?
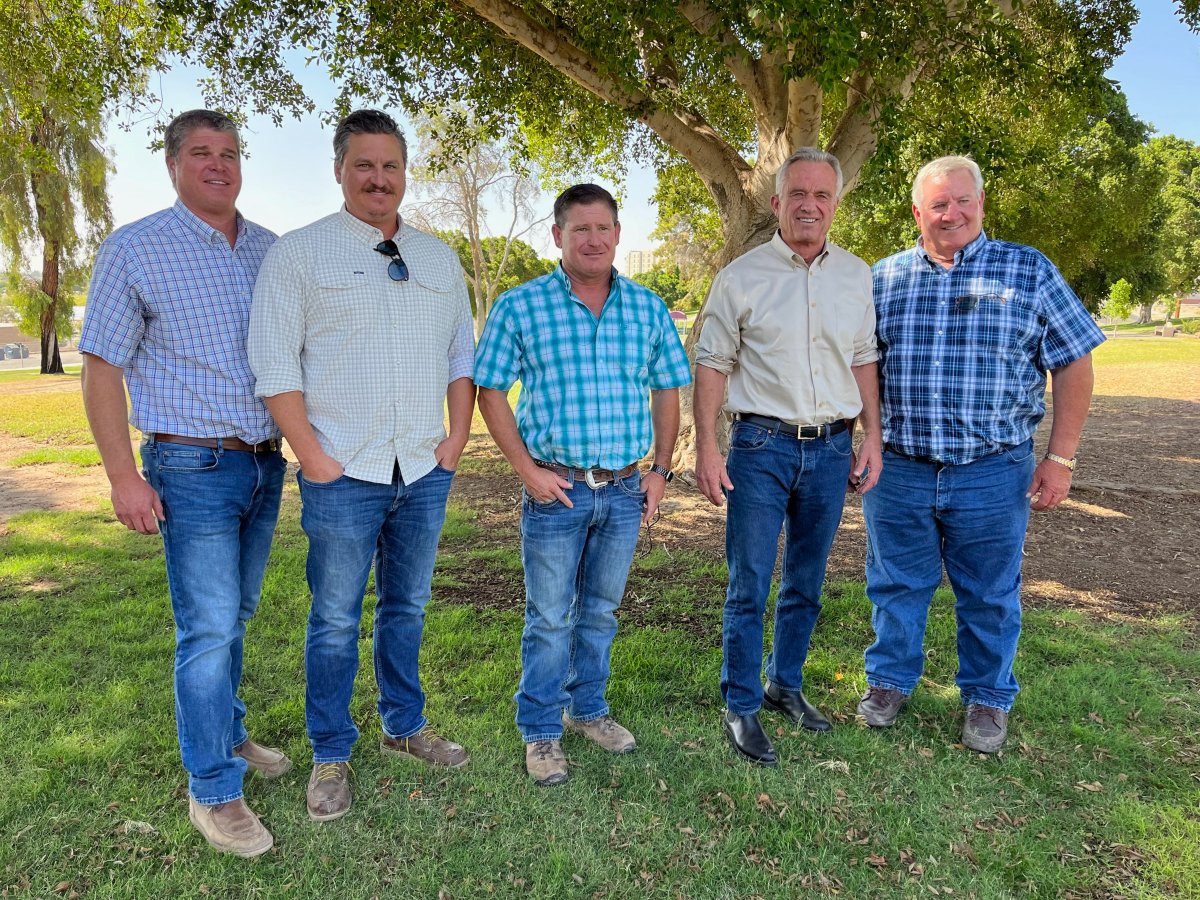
{"x":666,"y":473}
{"x":1062,"y":460}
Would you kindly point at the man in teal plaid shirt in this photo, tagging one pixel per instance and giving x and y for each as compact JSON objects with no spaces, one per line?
{"x":589,"y":348}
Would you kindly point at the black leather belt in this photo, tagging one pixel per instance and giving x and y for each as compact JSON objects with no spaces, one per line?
{"x":225,"y":443}
{"x":594,"y":478}
{"x":800,"y":432}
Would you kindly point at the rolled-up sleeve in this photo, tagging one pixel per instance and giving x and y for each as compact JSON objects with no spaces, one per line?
{"x":866,"y":348}
{"x":276,"y":337}
{"x":720,"y":335}
{"x":462,"y":346}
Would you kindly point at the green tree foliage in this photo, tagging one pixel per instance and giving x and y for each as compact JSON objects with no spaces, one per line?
{"x":467,"y":182}
{"x":32,"y":305}
{"x":63,"y":63}
{"x":668,"y":283}
{"x":1179,"y":238}
{"x":728,"y":88}
{"x":520,"y":262}
{"x":1119,"y":303}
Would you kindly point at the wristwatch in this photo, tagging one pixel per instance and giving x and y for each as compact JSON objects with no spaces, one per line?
{"x":1062,"y":460}
{"x":666,"y":473}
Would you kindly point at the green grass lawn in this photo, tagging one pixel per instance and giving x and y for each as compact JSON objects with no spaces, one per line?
{"x":1095,"y":796}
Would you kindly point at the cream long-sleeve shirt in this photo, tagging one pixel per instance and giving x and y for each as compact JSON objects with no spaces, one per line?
{"x":373,"y":356}
{"x":787,"y":334}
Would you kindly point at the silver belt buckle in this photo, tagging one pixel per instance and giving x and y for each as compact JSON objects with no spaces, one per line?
{"x":591,"y":482}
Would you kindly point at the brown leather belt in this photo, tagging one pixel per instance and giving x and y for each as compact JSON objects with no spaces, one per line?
{"x":594,"y":478}
{"x":226,"y":443}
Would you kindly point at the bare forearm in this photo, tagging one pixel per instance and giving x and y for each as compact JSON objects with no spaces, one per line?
{"x":1072,"y":387}
{"x":664,"y":414}
{"x":287,"y":409}
{"x":502,"y":425}
{"x":460,"y":403}
{"x":707,"y":398}
{"x":867,"y":379}
{"x":108,"y":416}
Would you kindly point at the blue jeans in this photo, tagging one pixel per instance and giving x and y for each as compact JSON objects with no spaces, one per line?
{"x":576,"y":563}
{"x":779,"y":484}
{"x":350,"y":525}
{"x":971,"y":518}
{"x":220,"y":507}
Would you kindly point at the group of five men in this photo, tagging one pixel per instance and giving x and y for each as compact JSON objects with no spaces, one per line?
{"x":352,"y":338}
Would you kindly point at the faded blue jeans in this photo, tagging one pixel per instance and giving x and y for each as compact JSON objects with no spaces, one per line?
{"x":220,"y":507}
{"x":783,"y":484}
{"x":971,"y":518}
{"x":576,"y":563}
{"x":352,"y":524}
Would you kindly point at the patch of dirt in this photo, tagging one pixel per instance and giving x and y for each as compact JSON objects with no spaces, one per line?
{"x":1124,"y":543}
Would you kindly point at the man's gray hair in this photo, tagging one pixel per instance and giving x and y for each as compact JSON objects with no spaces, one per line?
{"x":185,"y":123}
{"x":943,"y":166}
{"x":366,"y":121}
{"x":809,"y":154}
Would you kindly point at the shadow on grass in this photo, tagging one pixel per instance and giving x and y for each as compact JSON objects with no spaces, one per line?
{"x":1095,"y":796}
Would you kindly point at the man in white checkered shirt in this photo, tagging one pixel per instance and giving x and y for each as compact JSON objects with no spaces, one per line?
{"x":361,"y":330}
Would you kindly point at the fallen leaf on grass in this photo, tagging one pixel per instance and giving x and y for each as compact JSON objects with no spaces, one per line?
{"x":451,"y":811}
{"x":132,"y":827}
{"x":1092,"y":786}
{"x":835,"y":765}
{"x":876,"y":860}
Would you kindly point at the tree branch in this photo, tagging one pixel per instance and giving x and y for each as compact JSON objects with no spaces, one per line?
{"x":683,"y":129}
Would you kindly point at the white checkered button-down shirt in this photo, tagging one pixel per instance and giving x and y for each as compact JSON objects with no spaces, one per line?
{"x":372,"y":356}
{"x":169,"y":302}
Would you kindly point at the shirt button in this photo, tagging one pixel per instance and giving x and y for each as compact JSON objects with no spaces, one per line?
{"x":940,"y":331}
{"x":937,"y":362}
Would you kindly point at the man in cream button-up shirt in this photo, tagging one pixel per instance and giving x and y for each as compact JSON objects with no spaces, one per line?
{"x":790,"y":328}
{"x":360,"y":332}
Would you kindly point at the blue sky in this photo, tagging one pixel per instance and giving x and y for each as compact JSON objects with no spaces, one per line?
{"x":288,"y":175}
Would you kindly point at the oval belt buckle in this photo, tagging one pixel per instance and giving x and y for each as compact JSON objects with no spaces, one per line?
{"x":591,"y":481}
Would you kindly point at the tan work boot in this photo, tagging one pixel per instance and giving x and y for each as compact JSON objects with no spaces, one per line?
{"x":545,"y":763}
{"x":427,"y":746}
{"x":230,"y":827}
{"x":267,"y":761}
{"x":604,"y":731}
{"x":329,"y":791}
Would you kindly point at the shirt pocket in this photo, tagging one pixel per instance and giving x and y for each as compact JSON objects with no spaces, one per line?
{"x":341,"y":305}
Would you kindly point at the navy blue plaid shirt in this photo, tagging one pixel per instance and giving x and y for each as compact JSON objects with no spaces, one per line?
{"x":964,"y":351}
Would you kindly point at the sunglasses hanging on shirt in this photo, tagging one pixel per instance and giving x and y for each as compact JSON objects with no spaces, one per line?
{"x":397,"y":270}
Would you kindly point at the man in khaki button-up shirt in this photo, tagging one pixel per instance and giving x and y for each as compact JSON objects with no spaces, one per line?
{"x":790,"y":327}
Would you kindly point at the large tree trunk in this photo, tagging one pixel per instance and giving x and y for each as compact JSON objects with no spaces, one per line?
{"x":746,"y":227}
{"x":51,"y":360}
{"x":1145,"y":313}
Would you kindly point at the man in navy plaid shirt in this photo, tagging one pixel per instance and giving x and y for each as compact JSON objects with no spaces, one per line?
{"x":168,"y":311}
{"x":968,"y":327}
{"x":588,"y":347}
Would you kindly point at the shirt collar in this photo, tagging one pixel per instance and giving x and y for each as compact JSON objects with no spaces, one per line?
{"x":368,"y":233}
{"x":779,"y":245}
{"x":966,"y":253}
{"x":202,"y":229}
{"x":565,"y":280}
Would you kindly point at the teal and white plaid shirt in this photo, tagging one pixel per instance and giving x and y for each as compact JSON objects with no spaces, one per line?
{"x":585,"y":382}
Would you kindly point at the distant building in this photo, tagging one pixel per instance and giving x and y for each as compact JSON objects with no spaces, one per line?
{"x":638,"y":261}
